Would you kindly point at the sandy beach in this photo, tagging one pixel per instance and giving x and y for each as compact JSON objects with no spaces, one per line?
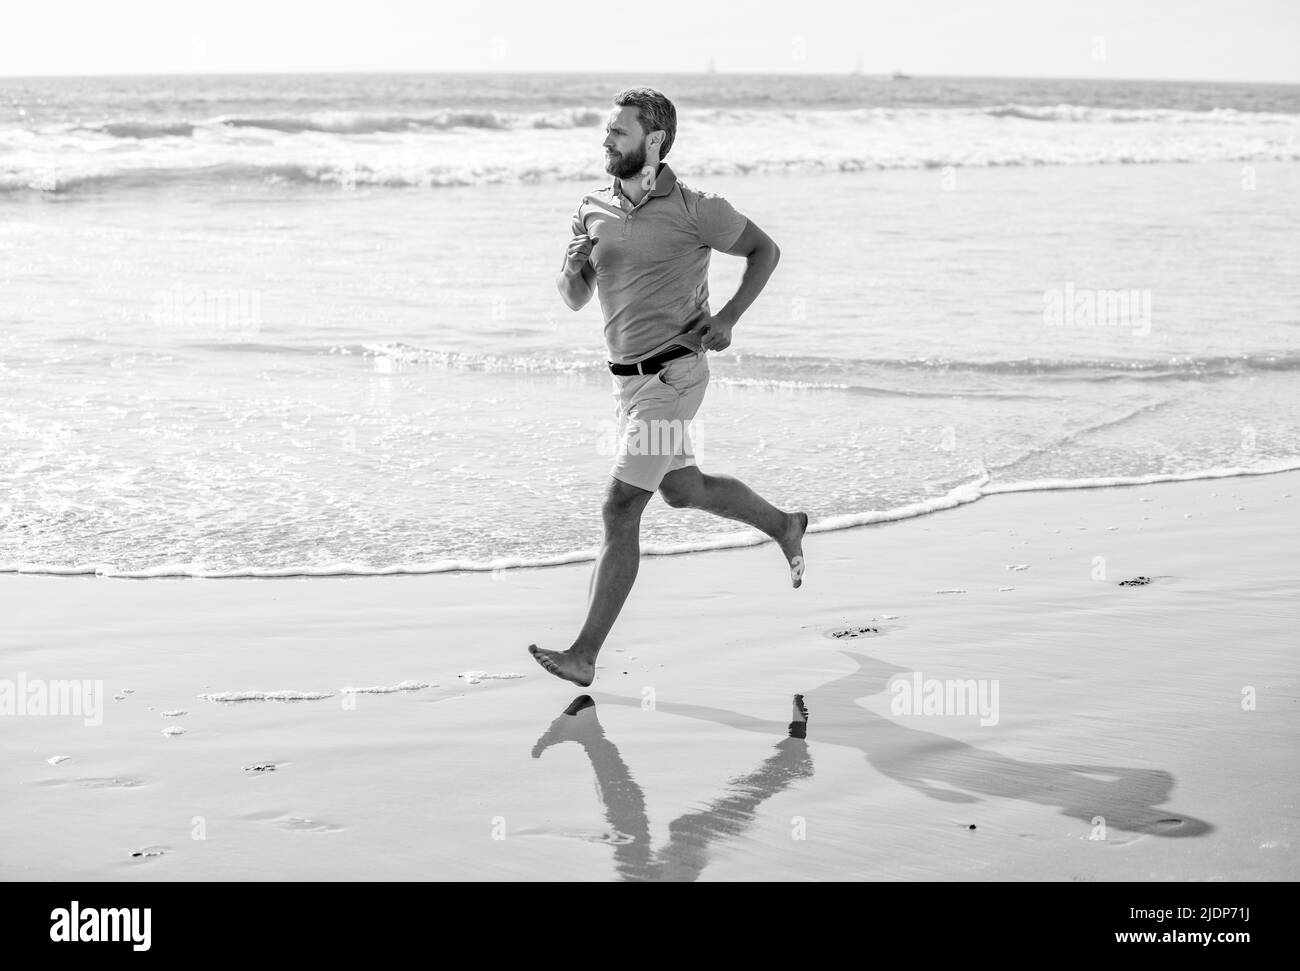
{"x":1135,"y":732}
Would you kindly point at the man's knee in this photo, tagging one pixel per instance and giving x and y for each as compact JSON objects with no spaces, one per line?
{"x":623,"y":500}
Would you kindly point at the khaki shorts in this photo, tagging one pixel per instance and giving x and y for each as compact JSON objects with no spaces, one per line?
{"x":654,"y":414}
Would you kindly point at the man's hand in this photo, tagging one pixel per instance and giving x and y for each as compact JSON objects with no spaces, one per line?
{"x":578,"y":253}
{"x":577,"y":277}
{"x":714,"y":332}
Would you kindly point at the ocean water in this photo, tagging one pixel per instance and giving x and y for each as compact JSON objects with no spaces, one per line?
{"x":299,"y":325}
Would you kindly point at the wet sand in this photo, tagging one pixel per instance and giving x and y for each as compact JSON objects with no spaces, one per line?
{"x":1141,"y":731}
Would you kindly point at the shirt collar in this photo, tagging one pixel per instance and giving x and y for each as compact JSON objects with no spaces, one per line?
{"x":664,"y":182}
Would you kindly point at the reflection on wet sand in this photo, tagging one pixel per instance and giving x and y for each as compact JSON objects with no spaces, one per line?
{"x":690,"y":836}
{"x":943,"y":768}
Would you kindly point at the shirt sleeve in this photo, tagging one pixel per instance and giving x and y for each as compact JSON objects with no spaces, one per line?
{"x":717,"y":222}
{"x":576,"y":225}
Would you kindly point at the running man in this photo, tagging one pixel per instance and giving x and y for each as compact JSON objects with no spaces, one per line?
{"x":643,"y":243}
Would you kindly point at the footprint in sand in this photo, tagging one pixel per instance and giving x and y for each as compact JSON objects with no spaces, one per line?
{"x":846,"y":633}
{"x":849,"y":633}
{"x":261,"y":767}
{"x":305,"y":825}
{"x":116,"y":782}
{"x":1140,"y":581}
{"x":151,"y":851}
{"x":298,"y":824}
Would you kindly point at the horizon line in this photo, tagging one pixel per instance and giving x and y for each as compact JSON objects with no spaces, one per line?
{"x":702,"y":73}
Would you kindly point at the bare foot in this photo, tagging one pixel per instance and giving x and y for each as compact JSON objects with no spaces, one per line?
{"x":792,"y":546}
{"x":565,"y":664}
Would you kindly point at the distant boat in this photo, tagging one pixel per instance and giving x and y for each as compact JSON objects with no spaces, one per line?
{"x":900,"y":76}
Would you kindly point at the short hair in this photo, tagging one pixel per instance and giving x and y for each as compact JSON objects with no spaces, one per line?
{"x":654,"y":112}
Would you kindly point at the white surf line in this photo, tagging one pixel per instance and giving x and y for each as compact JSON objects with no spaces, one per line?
{"x":960,"y":496}
{"x":1118,"y":481}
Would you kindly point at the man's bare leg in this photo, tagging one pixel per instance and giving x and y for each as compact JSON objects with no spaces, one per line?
{"x":732,"y":499}
{"x":616,"y":568}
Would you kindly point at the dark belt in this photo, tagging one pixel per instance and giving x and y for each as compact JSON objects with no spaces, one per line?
{"x":651,"y":365}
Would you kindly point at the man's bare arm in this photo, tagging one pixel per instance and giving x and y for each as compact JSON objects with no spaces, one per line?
{"x":761,"y":256}
{"x":576,"y":280}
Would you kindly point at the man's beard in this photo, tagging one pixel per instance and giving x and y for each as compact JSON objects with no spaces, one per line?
{"x":626,"y":166}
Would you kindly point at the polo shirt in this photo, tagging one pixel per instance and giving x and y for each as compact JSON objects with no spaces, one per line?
{"x":652,"y":261}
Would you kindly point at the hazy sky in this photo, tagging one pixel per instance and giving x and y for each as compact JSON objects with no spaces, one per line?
{"x":1249,"y":40}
